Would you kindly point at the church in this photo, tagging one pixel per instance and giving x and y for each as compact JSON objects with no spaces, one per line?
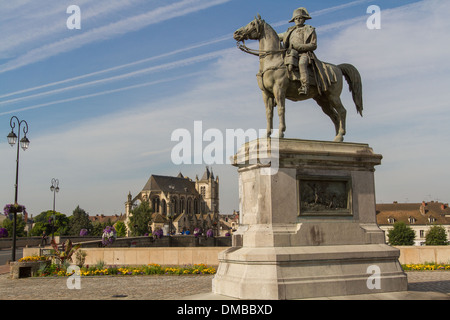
{"x":179,"y":203}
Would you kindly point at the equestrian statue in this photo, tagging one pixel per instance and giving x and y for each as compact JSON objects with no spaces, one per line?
{"x":289,"y":69}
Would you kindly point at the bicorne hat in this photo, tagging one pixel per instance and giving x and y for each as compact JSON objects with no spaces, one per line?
{"x":300,"y":12}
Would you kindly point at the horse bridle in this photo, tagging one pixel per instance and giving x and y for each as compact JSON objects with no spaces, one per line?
{"x":259,"y":53}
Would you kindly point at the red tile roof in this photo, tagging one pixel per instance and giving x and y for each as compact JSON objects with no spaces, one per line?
{"x":420,"y":213}
{"x":102,"y":218}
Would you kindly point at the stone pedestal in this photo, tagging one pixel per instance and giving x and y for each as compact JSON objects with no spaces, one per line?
{"x":307,"y":224}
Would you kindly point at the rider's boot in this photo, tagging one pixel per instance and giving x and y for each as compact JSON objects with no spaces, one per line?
{"x":304,"y":79}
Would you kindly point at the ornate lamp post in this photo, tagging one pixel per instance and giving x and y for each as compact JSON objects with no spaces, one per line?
{"x":54,"y":188}
{"x":24,"y":143}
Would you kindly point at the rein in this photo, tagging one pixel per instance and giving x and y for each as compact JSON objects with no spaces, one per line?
{"x":258,"y":53}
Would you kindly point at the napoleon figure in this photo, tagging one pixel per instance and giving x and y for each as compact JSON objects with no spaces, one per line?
{"x":300,"y":41}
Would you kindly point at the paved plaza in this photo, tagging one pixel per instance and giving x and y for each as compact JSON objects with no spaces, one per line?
{"x":422,"y":285}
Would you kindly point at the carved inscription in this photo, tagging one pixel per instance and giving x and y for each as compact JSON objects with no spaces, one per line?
{"x":324,"y":196}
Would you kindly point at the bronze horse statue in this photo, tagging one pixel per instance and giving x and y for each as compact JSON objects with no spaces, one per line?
{"x":276,"y":86}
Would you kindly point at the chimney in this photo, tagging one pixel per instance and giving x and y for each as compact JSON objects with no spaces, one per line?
{"x":442,"y":206}
{"x":422,"y":209}
{"x":424,"y":203}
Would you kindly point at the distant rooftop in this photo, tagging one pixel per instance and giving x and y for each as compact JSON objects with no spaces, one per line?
{"x":422,"y":213}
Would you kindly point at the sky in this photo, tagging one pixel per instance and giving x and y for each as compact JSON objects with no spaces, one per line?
{"x":101,"y":102}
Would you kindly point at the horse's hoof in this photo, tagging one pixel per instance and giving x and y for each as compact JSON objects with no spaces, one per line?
{"x":339,"y":139}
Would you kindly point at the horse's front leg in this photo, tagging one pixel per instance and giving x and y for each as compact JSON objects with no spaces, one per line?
{"x":269,"y":103}
{"x":280,"y":98}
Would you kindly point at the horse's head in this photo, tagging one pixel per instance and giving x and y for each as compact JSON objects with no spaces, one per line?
{"x":251,"y":31}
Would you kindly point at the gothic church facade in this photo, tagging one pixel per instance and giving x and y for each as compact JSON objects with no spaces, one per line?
{"x":180,"y":203}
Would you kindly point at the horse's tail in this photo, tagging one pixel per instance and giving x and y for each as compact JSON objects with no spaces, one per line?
{"x":353,"y":78}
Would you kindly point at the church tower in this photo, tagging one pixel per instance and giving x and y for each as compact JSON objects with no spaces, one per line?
{"x":128,"y":208}
{"x":208,"y":188}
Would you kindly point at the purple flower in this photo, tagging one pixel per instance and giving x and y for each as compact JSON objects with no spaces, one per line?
{"x":11,"y":208}
{"x":197,"y":232}
{"x":3,"y":233}
{"x":109,"y":235}
{"x":209,"y":233}
{"x":83,"y":232}
{"x":158,"y":233}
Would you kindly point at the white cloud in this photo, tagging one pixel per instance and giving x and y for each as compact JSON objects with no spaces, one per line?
{"x":158,"y":68}
{"x":412,"y":40}
{"x":118,"y":67}
{"x":405,"y":85}
{"x":27,"y":24}
{"x":109,"y":30}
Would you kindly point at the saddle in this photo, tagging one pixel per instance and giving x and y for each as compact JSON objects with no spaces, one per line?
{"x":321,"y":74}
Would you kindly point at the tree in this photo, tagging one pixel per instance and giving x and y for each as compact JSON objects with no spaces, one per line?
{"x":20,"y":226}
{"x":436,"y":236}
{"x":401,"y":235}
{"x":79,"y":220}
{"x":44,"y":222}
{"x":140,"y":219}
{"x":98,"y":227}
{"x":121,"y":229}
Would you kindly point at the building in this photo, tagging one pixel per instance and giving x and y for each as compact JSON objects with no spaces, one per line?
{"x":179,"y":203}
{"x":110,"y":219}
{"x":229,"y":223}
{"x":419,"y":216}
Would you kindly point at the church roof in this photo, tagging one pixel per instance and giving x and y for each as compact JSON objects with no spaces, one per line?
{"x":170,"y":184}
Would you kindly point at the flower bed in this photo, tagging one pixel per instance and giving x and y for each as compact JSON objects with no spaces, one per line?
{"x":34,"y":258}
{"x":150,"y":269}
{"x":28,"y":267}
{"x":425,"y":267}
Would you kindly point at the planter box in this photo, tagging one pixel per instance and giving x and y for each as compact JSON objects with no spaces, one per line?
{"x":25,"y":269}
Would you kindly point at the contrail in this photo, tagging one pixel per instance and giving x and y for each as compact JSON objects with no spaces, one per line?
{"x":102,"y":93}
{"x":327,"y":10}
{"x":167,"y":66}
{"x":120,"y":27}
{"x":164,"y":55}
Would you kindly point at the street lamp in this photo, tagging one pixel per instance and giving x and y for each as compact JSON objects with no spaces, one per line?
{"x":24,"y":143}
{"x":54,"y":188}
